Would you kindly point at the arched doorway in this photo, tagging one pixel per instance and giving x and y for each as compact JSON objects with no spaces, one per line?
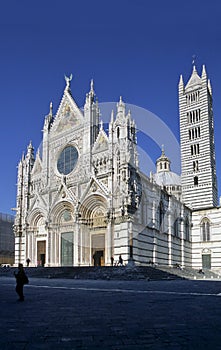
{"x":206,"y":259}
{"x":93,"y":213}
{"x":62,"y":235}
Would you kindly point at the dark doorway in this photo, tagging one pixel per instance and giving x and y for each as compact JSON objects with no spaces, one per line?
{"x":42,"y":258}
{"x":98,"y":257}
{"x":206,"y":261}
{"x":98,"y":249}
{"x":41,"y":253}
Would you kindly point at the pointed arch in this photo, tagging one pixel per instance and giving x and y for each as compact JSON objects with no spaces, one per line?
{"x":93,"y":210}
{"x":205,"y":226}
{"x":59,"y":210}
{"x":36,"y":218}
{"x":187,"y":229}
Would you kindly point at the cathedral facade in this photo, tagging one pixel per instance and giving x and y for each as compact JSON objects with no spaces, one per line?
{"x":82,"y":199}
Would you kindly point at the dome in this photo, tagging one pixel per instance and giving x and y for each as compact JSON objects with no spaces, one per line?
{"x":167,"y":178}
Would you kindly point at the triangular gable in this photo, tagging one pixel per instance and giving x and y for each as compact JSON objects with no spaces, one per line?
{"x":101,"y":143}
{"x":68,"y":115}
{"x":94,"y":186}
{"x":38,"y":202}
{"x":37,"y":168}
{"x":64,"y":193}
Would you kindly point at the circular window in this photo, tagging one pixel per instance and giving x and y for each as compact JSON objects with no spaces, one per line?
{"x":67,"y":160}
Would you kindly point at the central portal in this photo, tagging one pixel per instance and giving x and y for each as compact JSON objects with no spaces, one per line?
{"x":98,"y":249}
{"x":67,"y":249}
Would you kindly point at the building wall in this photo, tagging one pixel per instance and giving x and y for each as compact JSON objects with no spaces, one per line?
{"x":211,"y":246}
{"x":7,"y":239}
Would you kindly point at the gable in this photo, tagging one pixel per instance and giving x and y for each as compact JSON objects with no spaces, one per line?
{"x":101,"y":144}
{"x":68,"y":116}
{"x":37,"y":167}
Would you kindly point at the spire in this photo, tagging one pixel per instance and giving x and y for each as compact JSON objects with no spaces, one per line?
{"x":209,"y":87}
{"x":129,"y":115}
{"x":51,"y":109}
{"x":48,"y":119}
{"x":203,"y":71}
{"x":181,"y":85}
{"x":120,"y":103}
{"x":194,"y":81}
{"x":121,"y":107}
{"x":30,"y":147}
{"x":204,"y":76}
{"x":90,"y":97}
{"x":162,"y":149}
{"x":92,"y":86}
{"x":30,"y":153}
{"x":181,"y":80}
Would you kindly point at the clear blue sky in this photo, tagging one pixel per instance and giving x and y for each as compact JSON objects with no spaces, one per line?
{"x":136,"y":49}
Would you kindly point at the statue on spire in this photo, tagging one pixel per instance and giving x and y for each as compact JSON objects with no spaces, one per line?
{"x":68,"y":80}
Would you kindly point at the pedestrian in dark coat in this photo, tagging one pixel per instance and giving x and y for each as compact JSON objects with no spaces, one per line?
{"x":21,"y":279}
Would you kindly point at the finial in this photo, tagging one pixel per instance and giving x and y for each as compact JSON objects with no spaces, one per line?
{"x":51,"y":108}
{"x":209,"y":86}
{"x":162,"y":149}
{"x":203,"y":70}
{"x":181,"y":79}
{"x":193,"y":60}
{"x":68,"y":80}
{"x":92,"y":85}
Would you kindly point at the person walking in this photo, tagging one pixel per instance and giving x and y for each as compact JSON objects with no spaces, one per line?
{"x":21,"y":279}
{"x":120,"y":261}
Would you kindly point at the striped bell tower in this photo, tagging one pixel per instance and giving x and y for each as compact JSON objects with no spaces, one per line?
{"x":198,"y":165}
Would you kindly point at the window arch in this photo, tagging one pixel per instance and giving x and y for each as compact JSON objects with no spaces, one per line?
{"x":187,"y":229}
{"x":161,"y":216}
{"x":118,"y":132}
{"x":196,"y":180}
{"x":205,"y":230}
{"x":176,"y":227}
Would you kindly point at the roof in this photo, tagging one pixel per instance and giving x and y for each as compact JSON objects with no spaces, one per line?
{"x":167,"y":178}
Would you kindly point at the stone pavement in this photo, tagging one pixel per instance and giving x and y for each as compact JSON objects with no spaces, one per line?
{"x":98,"y":314}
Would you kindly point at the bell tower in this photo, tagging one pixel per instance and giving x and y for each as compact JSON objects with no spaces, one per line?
{"x":198,"y":165}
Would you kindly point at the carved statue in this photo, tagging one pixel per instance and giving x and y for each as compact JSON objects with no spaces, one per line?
{"x":68,"y":80}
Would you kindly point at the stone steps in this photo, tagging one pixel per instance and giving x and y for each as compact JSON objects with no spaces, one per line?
{"x":101,"y":272}
{"x":113,"y":273}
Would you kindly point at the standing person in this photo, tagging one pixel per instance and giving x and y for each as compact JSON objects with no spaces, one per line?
{"x":21,"y":279}
{"x":112,"y":261}
{"x":28,"y":261}
{"x":120,"y":262}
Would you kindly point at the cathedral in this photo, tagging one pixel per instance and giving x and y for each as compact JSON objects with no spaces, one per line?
{"x":82,"y":200}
